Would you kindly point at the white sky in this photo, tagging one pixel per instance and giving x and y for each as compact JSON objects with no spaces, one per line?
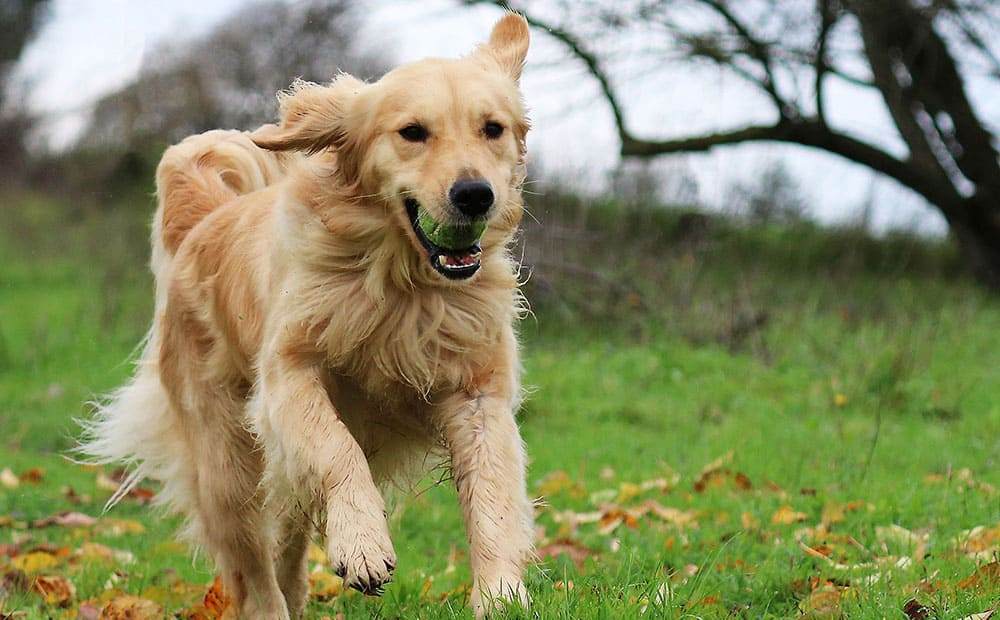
{"x":91,"y":46}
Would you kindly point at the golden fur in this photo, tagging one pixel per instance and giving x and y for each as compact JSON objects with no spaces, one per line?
{"x":304,"y":351}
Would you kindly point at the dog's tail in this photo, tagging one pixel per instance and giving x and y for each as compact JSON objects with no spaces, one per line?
{"x":133,"y":426}
{"x":201,"y":173}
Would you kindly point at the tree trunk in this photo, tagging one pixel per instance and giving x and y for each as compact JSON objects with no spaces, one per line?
{"x":976,"y":229}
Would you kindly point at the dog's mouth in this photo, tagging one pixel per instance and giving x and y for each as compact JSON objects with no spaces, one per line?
{"x":454,"y":251}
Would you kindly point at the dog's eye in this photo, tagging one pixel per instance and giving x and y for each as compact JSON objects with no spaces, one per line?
{"x":414,"y":132}
{"x":492,"y":130}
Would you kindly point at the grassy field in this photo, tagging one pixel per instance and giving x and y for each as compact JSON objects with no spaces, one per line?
{"x":754,"y":424}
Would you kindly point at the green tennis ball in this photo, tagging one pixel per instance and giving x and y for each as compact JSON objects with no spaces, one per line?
{"x":450,"y":236}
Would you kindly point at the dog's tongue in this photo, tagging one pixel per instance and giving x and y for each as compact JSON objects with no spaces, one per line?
{"x":463,"y":259}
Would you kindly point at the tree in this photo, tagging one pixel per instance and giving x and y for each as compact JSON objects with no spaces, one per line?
{"x":19,"y":22}
{"x":917,"y":54}
{"x":229,"y":78}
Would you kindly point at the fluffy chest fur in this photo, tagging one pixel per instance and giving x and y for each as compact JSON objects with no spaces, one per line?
{"x":379,"y":316}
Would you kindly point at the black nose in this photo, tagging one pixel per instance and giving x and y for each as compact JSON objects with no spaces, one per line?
{"x":473,"y":197}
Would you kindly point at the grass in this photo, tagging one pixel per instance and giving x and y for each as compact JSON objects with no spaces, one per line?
{"x":843,"y":381}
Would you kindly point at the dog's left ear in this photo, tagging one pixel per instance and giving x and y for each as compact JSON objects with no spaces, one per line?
{"x":313,"y":116}
{"x":508,"y":44}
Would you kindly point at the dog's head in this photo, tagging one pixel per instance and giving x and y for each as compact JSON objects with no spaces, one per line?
{"x":440,"y":143}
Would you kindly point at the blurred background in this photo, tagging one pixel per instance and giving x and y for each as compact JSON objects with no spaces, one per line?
{"x":751,"y":224}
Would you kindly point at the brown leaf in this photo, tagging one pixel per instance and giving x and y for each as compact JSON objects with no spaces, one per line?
{"x":986,"y":575}
{"x":54,"y":589}
{"x":128,"y":607}
{"x":35,"y":475}
{"x":65,"y":519}
{"x":323,"y":586}
{"x":822,"y":603}
{"x":15,"y":581}
{"x":572,"y":549}
{"x":9,"y":479}
{"x":786,"y":515}
{"x":915,"y":610}
{"x":88,"y":611}
{"x":35,"y":561}
{"x":986,"y":615}
{"x":216,"y":600}
{"x":558,"y":482}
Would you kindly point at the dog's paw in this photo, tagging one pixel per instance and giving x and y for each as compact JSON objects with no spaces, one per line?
{"x":362,"y":556}
{"x":489,"y":595}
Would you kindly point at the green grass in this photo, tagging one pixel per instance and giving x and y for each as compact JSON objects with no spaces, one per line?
{"x":861,"y":383}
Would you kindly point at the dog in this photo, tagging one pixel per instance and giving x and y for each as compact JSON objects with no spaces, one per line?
{"x":313,"y":344}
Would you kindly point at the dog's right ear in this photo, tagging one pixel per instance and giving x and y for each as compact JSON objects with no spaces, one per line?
{"x":313,"y":116}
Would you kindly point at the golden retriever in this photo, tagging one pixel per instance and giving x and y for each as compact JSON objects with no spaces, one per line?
{"x":312,"y":343}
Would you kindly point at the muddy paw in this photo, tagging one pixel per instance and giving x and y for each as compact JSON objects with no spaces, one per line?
{"x":364,"y":559}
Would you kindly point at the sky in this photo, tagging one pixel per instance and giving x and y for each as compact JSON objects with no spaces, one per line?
{"x":90,"y":47}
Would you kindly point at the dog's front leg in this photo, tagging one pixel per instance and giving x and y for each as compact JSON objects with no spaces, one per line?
{"x":488,"y":464}
{"x":309,"y":445}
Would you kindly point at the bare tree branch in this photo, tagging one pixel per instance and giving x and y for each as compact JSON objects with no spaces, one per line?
{"x":757,"y":50}
{"x":581,"y":52}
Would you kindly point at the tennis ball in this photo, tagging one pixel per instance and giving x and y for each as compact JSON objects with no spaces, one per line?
{"x":450,"y":236}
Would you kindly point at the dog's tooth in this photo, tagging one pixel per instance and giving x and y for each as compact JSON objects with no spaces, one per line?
{"x":442,"y":260}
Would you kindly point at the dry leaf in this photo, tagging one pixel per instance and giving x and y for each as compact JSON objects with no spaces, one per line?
{"x":986,"y":615}
{"x":822,"y":603}
{"x":985,"y":575}
{"x":323,"y":586}
{"x":128,"y":607}
{"x":65,"y":519}
{"x":35,"y":562}
{"x":674,"y":516}
{"x":35,"y":475}
{"x":915,"y":610}
{"x":559,"y":481}
{"x":9,"y":479}
{"x":786,"y":515}
{"x":575,"y":551}
{"x":119,"y":527}
{"x":54,"y":589}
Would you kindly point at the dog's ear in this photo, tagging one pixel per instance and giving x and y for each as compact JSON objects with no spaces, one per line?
{"x":313,"y":116}
{"x":508,"y":44}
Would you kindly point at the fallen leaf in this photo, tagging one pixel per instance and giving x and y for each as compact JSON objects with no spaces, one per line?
{"x":986,"y":615}
{"x":786,"y":515}
{"x":576,"y":552}
{"x":90,"y":551}
{"x":119,"y":527}
{"x":323,"y":586}
{"x":985,"y":575}
{"x":822,"y":603}
{"x":54,"y":589}
{"x":915,"y":610}
{"x":9,"y":479}
{"x":35,"y":475}
{"x":128,"y":607}
{"x":216,"y":600}
{"x":558,"y":482}
{"x":65,"y":519}
{"x":748,"y":521}
{"x":35,"y":562}
{"x":980,"y":543}
{"x":563,"y":585}
{"x":674,"y":516}
{"x":88,"y":611}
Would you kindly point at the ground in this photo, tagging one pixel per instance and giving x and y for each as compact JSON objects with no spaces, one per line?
{"x":836,"y":455}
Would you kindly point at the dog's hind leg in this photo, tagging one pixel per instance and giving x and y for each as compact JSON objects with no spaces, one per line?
{"x":224,"y":500}
{"x":292,"y":569}
{"x":228,"y":516}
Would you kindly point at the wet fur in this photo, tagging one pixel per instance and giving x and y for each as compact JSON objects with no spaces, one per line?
{"x":303,"y":352}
